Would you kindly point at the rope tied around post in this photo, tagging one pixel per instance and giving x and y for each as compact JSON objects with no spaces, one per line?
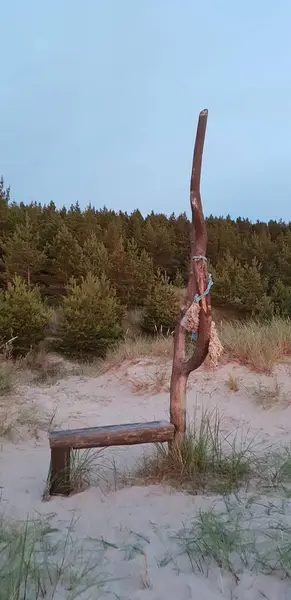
{"x":197,"y":298}
{"x":190,"y":321}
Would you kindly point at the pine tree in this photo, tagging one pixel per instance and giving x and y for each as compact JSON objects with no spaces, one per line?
{"x":22,"y":255}
{"x":133,"y":275}
{"x":23,"y":316}
{"x":134,"y":228}
{"x":4,"y":204}
{"x":281,"y":298}
{"x":91,"y":318}
{"x":238,"y":286}
{"x":74,"y":221}
{"x":161,"y":307}
{"x":65,"y":257}
{"x":95,"y":257}
{"x":179,"y":281}
{"x":113,"y":237}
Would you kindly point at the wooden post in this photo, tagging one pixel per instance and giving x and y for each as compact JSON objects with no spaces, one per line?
{"x":197,"y":283}
{"x":60,"y":472}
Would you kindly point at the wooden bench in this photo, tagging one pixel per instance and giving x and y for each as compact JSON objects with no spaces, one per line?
{"x":62,"y":442}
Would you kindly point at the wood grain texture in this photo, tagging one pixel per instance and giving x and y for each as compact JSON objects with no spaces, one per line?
{"x":113,"y":435}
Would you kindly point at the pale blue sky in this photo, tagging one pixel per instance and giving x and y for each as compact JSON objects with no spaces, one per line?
{"x":99,"y":103}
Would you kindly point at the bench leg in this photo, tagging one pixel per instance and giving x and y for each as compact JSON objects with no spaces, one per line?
{"x":60,"y":472}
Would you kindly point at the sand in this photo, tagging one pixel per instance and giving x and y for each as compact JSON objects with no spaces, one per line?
{"x":132,"y":535}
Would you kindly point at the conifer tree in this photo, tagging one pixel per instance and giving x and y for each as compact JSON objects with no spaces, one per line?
{"x":91,"y":317}
{"x":65,"y":257}
{"x":22,"y":255}
{"x":23,"y":316}
{"x":4,"y":202}
{"x":161,"y":307}
{"x":133,"y":275}
{"x":95,"y":257}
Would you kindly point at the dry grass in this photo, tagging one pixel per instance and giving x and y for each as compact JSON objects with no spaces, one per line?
{"x":155,"y":381}
{"x":233,"y":382}
{"x":44,"y":367}
{"x":269,"y":396}
{"x":7,"y":377}
{"x":137,"y":348}
{"x":19,"y":416}
{"x":258,"y":345}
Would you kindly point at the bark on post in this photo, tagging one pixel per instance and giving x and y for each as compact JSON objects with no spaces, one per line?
{"x":197,"y":283}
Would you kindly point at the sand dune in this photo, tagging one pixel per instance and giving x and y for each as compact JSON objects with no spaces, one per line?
{"x":135,"y":536}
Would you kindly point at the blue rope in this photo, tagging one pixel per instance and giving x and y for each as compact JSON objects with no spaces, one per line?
{"x":199,"y":257}
{"x":197,"y":298}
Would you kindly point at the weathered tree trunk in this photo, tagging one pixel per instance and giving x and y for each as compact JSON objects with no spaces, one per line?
{"x":197,"y":283}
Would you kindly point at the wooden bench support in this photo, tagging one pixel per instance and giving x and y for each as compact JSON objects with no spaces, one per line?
{"x":60,"y":471}
{"x":61,"y":442}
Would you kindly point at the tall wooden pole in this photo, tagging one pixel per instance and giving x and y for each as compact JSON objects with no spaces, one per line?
{"x":197,"y":283}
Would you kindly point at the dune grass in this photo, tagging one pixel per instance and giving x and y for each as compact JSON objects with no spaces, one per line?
{"x":239,"y":534}
{"x":268,"y":396}
{"x":153,"y":381}
{"x":257,"y":345}
{"x":206,"y":460}
{"x":39,"y":561}
{"x":86,"y":469}
{"x":19,"y":416}
{"x":137,"y":348}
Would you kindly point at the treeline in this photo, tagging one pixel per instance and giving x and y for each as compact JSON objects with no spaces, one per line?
{"x":250,"y":262}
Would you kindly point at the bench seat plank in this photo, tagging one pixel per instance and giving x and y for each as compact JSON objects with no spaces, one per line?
{"x":113,"y":435}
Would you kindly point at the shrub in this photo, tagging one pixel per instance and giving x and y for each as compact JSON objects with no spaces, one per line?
{"x":23,"y":316}
{"x":161,"y":307}
{"x":91,"y":317}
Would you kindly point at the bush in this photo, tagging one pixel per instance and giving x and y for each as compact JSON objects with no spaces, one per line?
{"x":23,"y":316}
{"x":161,"y":307}
{"x":91,"y":318}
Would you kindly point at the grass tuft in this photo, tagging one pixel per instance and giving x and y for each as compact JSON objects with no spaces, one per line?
{"x":205,"y":460}
{"x":269,"y":396}
{"x":212,"y":539}
{"x":35,"y":563}
{"x":233,"y":382}
{"x":85,"y":470}
{"x":154,"y":381}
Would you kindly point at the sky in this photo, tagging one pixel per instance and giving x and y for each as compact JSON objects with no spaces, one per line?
{"x":100,"y":99}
